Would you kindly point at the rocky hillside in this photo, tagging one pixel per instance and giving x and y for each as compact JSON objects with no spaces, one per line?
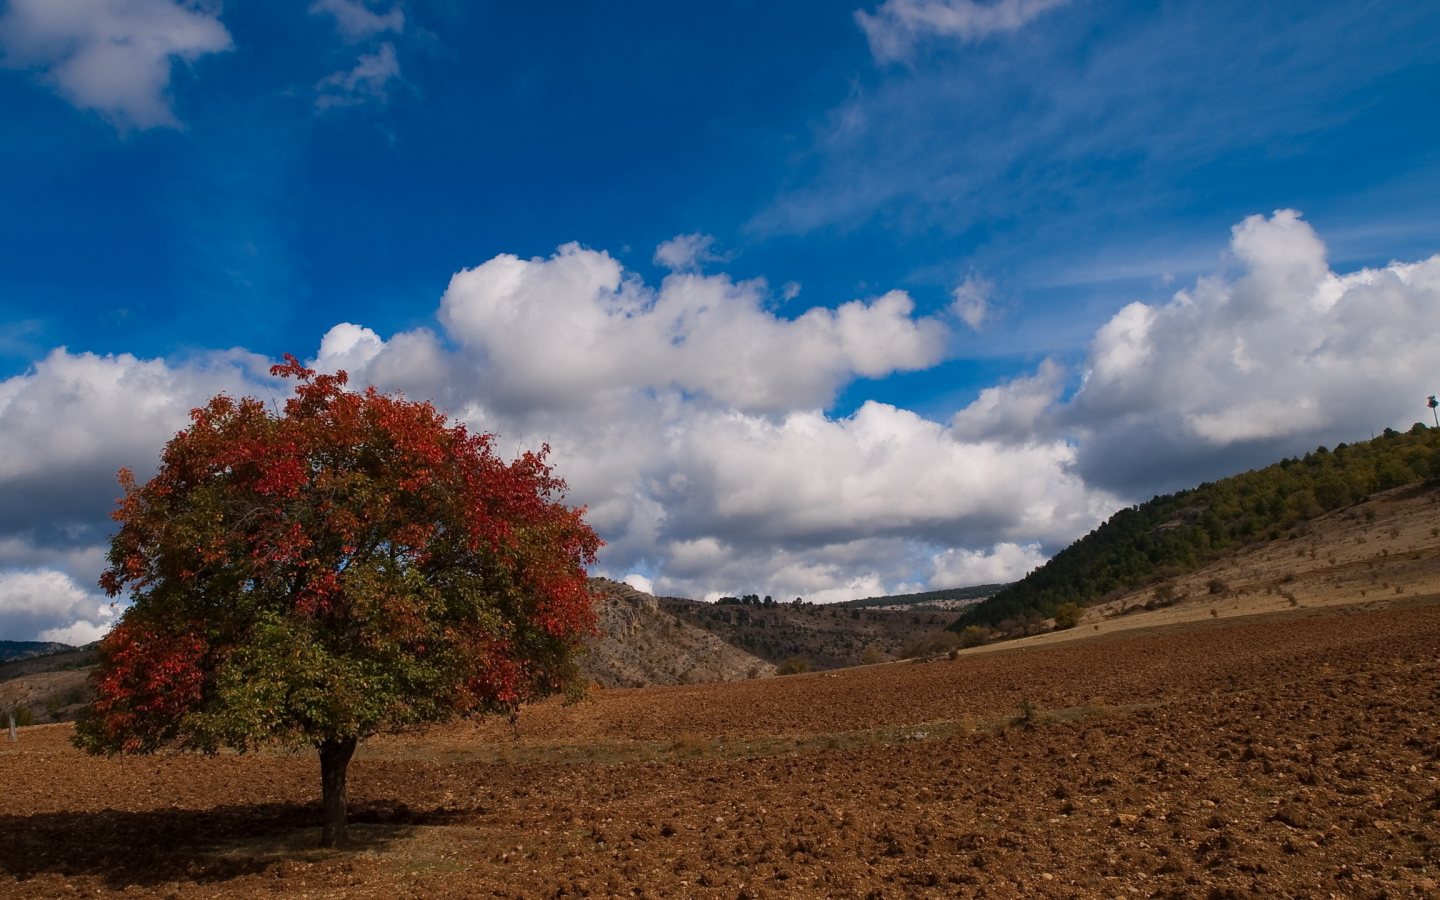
{"x":643,"y":644}
{"x":50,"y":688}
{"x":826,"y":637}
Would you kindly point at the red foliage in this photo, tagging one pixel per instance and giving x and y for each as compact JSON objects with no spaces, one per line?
{"x":146,"y":681}
{"x":392,"y":546}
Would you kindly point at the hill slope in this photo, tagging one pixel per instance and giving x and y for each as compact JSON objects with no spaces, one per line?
{"x":53,"y":687}
{"x":827,"y":637}
{"x":641,"y":645}
{"x":1382,"y":553}
{"x":1182,"y":532}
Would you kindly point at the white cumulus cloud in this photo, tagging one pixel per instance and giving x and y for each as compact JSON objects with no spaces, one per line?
{"x":1287,"y":349}
{"x":349,"y":347}
{"x":1003,"y":563}
{"x":557,"y":332}
{"x":639,"y":582}
{"x":1013,"y":411}
{"x":75,"y":411}
{"x":880,"y":472}
{"x":69,"y":424}
{"x":709,"y":568}
{"x":77,"y":633}
{"x":48,"y":605}
{"x":112,"y":56}
{"x":1240,"y":369}
{"x":897,"y":26}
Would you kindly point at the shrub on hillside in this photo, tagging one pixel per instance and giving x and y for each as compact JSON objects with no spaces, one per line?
{"x":1067,"y":615}
{"x":871,"y":656}
{"x":1032,"y":623}
{"x":795,"y":665}
{"x":974,"y":636}
{"x":931,"y":645}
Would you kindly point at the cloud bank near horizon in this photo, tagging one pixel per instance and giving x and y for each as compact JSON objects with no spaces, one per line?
{"x":692,"y":420}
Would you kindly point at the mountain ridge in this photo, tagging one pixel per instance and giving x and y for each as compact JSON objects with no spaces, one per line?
{"x":13,"y":650}
{"x":924,"y":599}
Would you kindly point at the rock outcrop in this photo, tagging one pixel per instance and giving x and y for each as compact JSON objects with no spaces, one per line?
{"x":641,"y":645}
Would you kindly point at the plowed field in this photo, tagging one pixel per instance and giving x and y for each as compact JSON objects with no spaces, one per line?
{"x":1292,"y":755}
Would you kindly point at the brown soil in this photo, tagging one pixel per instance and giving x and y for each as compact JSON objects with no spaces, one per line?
{"x":1290,"y":755}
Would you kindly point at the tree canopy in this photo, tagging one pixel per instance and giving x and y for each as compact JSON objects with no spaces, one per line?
{"x":349,"y":566}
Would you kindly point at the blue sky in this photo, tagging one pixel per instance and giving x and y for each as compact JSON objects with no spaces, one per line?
{"x":239,"y":179}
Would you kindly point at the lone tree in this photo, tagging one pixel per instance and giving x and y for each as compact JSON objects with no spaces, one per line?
{"x":349,"y":567}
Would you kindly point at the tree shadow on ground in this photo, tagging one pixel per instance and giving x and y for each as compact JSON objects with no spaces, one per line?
{"x":152,"y":847}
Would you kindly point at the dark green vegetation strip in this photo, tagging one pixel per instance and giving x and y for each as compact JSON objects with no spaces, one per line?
{"x":1183,"y":531}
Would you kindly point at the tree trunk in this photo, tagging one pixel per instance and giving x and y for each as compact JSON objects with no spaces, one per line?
{"x":334,"y":759}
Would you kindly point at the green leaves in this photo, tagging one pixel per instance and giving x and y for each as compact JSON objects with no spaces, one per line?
{"x":352,"y":565}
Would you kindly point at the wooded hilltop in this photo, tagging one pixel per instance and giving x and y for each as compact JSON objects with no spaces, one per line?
{"x":1180,"y":532}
